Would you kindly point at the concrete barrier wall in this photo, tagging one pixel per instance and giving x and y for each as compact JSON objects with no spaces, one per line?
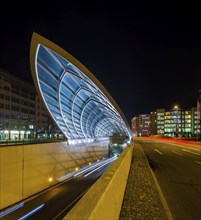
{"x":104,"y":199}
{"x":29,"y":169}
{"x":10,"y":175}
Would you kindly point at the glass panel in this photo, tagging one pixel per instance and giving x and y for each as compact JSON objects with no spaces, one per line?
{"x":45,"y":77}
{"x":48,"y":91}
{"x":47,"y":60}
{"x":70,"y":83}
{"x":66,"y":92}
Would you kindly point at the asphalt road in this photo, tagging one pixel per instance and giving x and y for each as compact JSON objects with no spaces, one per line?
{"x":178,"y":171}
{"x":56,"y":202}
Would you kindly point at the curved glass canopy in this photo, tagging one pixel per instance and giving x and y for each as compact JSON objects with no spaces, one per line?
{"x":76,"y":100}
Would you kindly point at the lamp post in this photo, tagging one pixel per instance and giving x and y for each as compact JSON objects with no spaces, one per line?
{"x":177,"y":121}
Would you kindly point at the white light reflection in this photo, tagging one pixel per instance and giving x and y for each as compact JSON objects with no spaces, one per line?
{"x":100,"y":167}
{"x":84,"y":170}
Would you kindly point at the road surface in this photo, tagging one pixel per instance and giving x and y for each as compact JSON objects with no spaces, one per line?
{"x":178,"y":171}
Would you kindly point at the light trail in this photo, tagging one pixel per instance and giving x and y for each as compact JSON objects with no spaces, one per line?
{"x":93,"y":166}
{"x":31,"y":212}
{"x":99,"y":167}
{"x":11,"y":209}
{"x":86,"y":169}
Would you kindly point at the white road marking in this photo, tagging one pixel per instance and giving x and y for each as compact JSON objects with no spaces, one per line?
{"x":183,"y":146}
{"x":177,"y":153}
{"x":158,"y":151}
{"x":198,"y":162}
{"x":190,"y":152}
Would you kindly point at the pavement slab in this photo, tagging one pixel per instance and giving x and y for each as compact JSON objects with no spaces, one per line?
{"x":143,"y":199}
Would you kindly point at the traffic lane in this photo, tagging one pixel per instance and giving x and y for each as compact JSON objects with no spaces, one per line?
{"x":64,"y":201}
{"x":91,"y":179}
{"x":188,"y":144}
{"x":194,"y":155}
{"x":179,"y":178}
{"x":187,"y":151}
{"x":184,"y":161}
{"x":167,"y":155}
{"x":181,"y":150}
{"x":56,"y":199}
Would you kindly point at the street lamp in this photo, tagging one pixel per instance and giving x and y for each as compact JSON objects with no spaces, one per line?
{"x":176,"y":107}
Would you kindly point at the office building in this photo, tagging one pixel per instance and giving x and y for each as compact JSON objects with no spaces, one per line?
{"x":22,"y":114}
{"x":140,"y":125}
{"x":175,"y":122}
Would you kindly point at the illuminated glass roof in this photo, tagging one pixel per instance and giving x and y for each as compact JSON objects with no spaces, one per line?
{"x":75,"y":99}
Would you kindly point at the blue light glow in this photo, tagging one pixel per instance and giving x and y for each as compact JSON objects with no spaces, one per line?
{"x":31,"y":212}
{"x":11,"y":210}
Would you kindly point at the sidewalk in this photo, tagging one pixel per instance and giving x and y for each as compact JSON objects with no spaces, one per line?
{"x":143,"y":199}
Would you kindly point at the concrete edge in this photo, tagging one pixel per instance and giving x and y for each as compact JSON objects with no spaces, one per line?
{"x":162,"y":198}
{"x":104,"y":199}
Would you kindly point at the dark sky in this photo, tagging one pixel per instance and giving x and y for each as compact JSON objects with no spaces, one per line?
{"x":147,"y":55}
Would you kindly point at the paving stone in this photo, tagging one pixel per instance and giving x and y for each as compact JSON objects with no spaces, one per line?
{"x":141,"y":200}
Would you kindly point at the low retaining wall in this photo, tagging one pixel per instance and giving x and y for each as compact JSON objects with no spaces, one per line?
{"x":28,"y":169}
{"x":104,"y":199}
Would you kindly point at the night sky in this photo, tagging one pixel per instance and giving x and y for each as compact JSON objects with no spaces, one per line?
{"x":147,"y":55}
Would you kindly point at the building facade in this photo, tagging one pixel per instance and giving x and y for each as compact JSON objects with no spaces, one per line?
{"x":178,"y":123}
{"x":152,"y":124}
{"x":22,"y":114}
{"x":141,"y":125}
{"x":196,"y":121}
{"x":173,"y":123}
